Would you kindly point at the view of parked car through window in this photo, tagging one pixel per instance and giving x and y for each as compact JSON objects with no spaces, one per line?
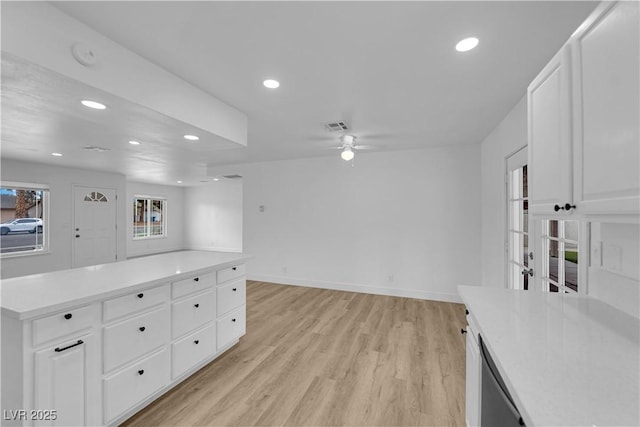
{"x":22,"y":228}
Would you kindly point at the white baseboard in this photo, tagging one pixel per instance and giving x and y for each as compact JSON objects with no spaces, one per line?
{"x":352,"y":287}
{"x":213,"y":248}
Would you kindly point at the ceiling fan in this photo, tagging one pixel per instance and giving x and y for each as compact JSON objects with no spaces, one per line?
{"x":349,"y":146}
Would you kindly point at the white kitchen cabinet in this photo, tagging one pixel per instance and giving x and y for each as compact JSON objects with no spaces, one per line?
{"x":64,"y":383}
{"x":583,"y":120}
{"x":606,"y":94}
{"x":231,"y":307}
{"x":549,"y":128}
{"x":97,"y":354}
{"x":473,"y":373}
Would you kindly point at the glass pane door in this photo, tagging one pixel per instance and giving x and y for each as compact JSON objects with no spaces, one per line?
{"x":518,"y":253}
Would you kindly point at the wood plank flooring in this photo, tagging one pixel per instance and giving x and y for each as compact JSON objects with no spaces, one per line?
{"x":318,"y":357}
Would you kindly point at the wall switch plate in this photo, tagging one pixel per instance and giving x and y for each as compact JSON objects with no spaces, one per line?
{"x":596,"y":254}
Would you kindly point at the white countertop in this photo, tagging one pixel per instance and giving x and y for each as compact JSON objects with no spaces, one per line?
{"x":30,"y":296}
{"x":566,"y":359}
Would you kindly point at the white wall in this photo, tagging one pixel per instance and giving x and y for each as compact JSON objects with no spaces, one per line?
{"x":508,"y":137}
{"x":175,"y":219}
{"x":60,"y":181}
{"x":214,"y":216}
{"x":396,"y":223}
{"x":614,"y":268}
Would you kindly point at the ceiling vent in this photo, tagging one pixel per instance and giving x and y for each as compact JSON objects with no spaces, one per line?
{"x":336,"y":126}
{"x":95,"y":149}
{"x":234,"y":176}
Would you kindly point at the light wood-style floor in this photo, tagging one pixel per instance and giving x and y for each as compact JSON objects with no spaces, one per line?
{"x":317,"y":357}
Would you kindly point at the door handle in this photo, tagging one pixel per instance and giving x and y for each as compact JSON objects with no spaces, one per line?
{"x":77,"y":235}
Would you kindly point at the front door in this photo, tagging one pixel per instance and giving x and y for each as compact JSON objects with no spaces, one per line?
{"x":94,"y":230}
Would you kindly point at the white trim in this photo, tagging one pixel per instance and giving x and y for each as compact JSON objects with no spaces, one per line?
{"x":215,"y":249}
{"x":353,"y":287}
{"x":23,"y":185}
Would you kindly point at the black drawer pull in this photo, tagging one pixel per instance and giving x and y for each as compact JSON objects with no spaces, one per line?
{"x":196,"y":341}
{"x":234,"y":268}
{"x":462,"y":331}
{"x":142,"y":328}
{"x":233,"y":320}
{"x":68,"y":316}
{"x":466,"y":312}
{"x":140,"y":295}
{"x":196,"y":279}
{"x":196,"y":305}
{"x":234,"y":289}
{"x":141,"y":371}
{"x":58,"y":349}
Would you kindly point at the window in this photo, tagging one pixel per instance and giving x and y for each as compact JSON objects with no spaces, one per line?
{"x":24,"y":218}
{"x":149,"y":217}
{"x":518,"y":221}
{"x":560,"y":249}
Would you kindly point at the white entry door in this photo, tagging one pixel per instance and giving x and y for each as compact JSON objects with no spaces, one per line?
{"x":94,"y":230}
{"x":519,"y":228}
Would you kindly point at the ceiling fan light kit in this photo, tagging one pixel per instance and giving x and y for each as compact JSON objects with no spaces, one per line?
{"x":347,"y":154}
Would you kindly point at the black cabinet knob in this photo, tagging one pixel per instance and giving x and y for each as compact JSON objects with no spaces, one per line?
{"x":234,"y":289}
{"x":141,"y":371}
{"x":234,"y":268}
{"x":462,"y":331}
{"x":466,"y":312}
{"x":68,"y":316}
{"x":557,"y":208}
{"x":196,"y":279}
{"x":569,"y":206}
{"x":140,"y":295}
{"x":233,"y":320}
{"x":196,"y":305}
{"x":196,"y":342}
{"x":142,"y":328}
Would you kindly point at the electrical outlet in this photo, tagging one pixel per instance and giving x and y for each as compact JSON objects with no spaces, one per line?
{"x":390,"y":278}
{"x":596,"y":254}
{"x":284,"y":269}
{"x":261,"y":208}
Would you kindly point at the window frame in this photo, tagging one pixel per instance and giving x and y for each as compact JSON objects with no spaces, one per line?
{"x":148,"y":223}
{"x":46,"y":203}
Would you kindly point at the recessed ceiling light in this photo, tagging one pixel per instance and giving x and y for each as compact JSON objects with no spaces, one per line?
{"x":56,"y":154}
{"x":134,"y":143}
{"x":191,"y":137}
{"x":271,"y":84}
{"x":467,"y":44}
{"x":216,"y":179}
{"x":179,"y":182}
{"x":93,"y":104}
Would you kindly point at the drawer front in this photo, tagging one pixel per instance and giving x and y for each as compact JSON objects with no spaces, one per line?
{"x":193,"y":348}
{"x":231,"y":295}
{"x":65,"y":323}
{"x":192,"y":313}
{"x":130,"y":386}
{"x":134,"y":337}
{"x":137,"y":301}
{"x":192,"y":284}
{"x":231,"y":327}
{"x":230,"y":273}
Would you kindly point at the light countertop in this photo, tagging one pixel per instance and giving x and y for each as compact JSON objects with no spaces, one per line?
{"x":30,"y":296}
{"x":566,"y":359}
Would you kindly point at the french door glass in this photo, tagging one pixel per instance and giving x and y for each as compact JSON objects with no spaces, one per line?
{"x":518,"y":253}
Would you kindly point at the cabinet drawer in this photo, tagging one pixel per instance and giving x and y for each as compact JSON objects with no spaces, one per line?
{"x":130,"y":386}
{"x":134,"y":337}
{"x":231,"y":327}
{"x":230,"y":273}
{"x":231,"y":295}
{"x":193,"y":348}
{"x":192,"y":313}
{"x":121,"y":306}
{"x":192,"y":284}
{"x":64,"y":323}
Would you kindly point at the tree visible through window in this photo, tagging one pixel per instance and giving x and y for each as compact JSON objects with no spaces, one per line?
{"x":149,"y":217}
{"x":23,"y":227}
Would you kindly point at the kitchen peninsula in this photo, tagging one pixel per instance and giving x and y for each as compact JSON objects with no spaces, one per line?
{"x":93,"y":345}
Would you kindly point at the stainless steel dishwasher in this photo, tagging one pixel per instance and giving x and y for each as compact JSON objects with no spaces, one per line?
{"x":497,"y":406}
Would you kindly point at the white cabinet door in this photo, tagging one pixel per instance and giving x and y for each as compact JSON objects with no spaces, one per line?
{"x":549,"y":134}
{"x":66,"y":377}
{"x":472,"y":380}
{"x":606,"y":104}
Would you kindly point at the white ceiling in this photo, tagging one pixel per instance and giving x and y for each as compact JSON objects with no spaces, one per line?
{"x":388,"y":68}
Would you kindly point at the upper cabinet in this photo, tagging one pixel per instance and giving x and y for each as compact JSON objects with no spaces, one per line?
{"x":549,"y":114}
{"x":584,"y":139}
